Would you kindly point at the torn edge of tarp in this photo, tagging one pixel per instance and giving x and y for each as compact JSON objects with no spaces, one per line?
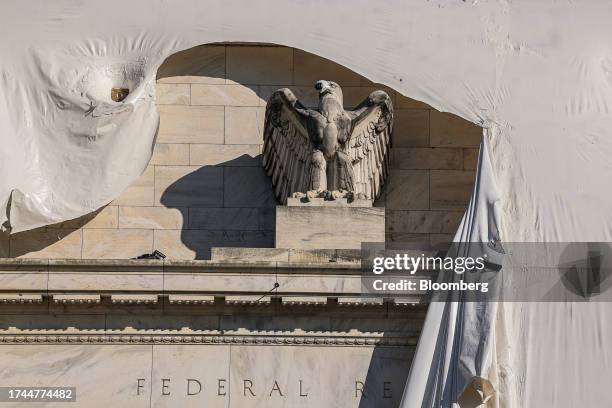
{"x":453,"y":361}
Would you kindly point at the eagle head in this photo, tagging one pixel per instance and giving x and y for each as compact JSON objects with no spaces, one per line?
{"x":329,"y":89}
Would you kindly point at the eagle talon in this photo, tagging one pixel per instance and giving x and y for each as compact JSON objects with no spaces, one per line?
{"x":304,"y":198}
{"x":338,"y":194}
{"x":314,"y":194}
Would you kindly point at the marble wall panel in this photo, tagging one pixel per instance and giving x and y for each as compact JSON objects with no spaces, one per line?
{"x":104,"y":375}
{"x":448,"y":130}
{"x":336,"y":227}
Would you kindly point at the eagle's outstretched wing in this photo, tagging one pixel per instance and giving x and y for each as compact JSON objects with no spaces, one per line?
{"x":287,"y":147}
{"x":370,"y":142}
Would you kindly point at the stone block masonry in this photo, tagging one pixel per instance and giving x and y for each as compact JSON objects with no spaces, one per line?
{"x":205,"y":187}
{"x":328,"y":227}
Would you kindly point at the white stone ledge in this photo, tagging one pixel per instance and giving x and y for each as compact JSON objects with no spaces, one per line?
{"x":20,"y":298}
{"x":76,"y":298}
{"x":134,"y":299}
{"x":191,"y":299}
{"x":73,"y":281}
{"x":413,"y":301}
{"x":304,"y":300}
{"x":248,"y":300}
{"x":360,"y":301}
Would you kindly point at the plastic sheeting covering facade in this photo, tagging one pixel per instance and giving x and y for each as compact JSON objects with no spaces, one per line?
{"x":537,"y":75}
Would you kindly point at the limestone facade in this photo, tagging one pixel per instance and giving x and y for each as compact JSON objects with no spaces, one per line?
{"x":144,"y":333}
{"x":205,"y":187}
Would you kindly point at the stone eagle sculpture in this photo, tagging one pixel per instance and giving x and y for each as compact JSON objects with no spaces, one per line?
{"x":327,"y":152}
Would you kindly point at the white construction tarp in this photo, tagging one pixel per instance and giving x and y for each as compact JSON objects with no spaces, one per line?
{"x":536,"y":74}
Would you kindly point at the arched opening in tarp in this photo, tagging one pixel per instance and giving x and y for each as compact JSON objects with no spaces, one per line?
{"x":204,"y":187}
{"x":433,"y":157}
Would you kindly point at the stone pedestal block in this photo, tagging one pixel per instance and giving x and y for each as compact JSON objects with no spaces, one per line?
{"x":328,"y":226}
{"x":321,"y":202}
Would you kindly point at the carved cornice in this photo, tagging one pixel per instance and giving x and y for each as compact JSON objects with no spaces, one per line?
{"x":20,"y":298}
{"x":26,"y":265}
{"x":148,"y":282}
{"x":76,"y":299}
{"x":134,"y":299}
{"x":191,"y":299}
{"x":61,"y":287}
{"x":409,"y":341}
